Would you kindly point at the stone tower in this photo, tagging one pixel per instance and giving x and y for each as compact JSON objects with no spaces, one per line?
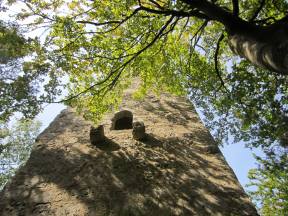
{"x":177,"y":169}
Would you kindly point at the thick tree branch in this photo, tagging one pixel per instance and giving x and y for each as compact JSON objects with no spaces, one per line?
{"x":235,"y":7}
{"x":211,"y":10}
{"x":217,"y":13}
{"x":194,"y":13}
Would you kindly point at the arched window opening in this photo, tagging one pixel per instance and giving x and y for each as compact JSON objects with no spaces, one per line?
{"x":122,"y":120}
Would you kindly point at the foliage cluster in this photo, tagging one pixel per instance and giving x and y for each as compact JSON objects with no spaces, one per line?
{"x":169,"y":45}
{"x":26,"y":79}
{"x":15,"y":146}
{"x":271,"y":181}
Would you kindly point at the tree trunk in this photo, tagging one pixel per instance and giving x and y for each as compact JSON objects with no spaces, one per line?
{"x":270,"y":53}
{"x":264,"y":46}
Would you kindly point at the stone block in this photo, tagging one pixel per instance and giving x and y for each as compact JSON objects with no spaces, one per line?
{"x":97,"y":135}
{"x":138,"y":131}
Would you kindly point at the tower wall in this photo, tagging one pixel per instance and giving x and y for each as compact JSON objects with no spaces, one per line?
{"x":177,"y":170}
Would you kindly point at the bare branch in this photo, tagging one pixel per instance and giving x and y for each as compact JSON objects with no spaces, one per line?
{"x":192,"y":47}
{"x":235,"y":7}
{"x":98,"y":24}
{"x":216,"y":61}
{"x":183,"y":28}
{"x":196,"y":34}
{"x":112,"y":22}
{"x":44,"y":16}
{"x":267,"y":21}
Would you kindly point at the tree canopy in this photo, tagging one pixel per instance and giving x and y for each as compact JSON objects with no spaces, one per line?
{"x":26,"y":80}
{"x":15,"y":146}
{"x":271,"y":180}
{"x":228,"y":56}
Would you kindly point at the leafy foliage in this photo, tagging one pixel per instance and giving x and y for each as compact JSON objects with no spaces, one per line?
{"x":179,"y":46}
{"x":15,"y":146}
{"x":271,"y":180}
{"x":23,"y":74}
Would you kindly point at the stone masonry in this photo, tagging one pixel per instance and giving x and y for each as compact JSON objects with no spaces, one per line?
{"x":176,"y":170}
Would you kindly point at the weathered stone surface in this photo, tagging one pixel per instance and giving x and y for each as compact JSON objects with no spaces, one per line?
{"x":139,"y":130}
{"x":122,"y":120}
{"x":211,"y":149}
{"x":169,"y":173}
{"x":97,"y":135}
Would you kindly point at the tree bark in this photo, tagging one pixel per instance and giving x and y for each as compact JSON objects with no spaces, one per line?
{"x":269,"y":51}
{"x":263,"y":46}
